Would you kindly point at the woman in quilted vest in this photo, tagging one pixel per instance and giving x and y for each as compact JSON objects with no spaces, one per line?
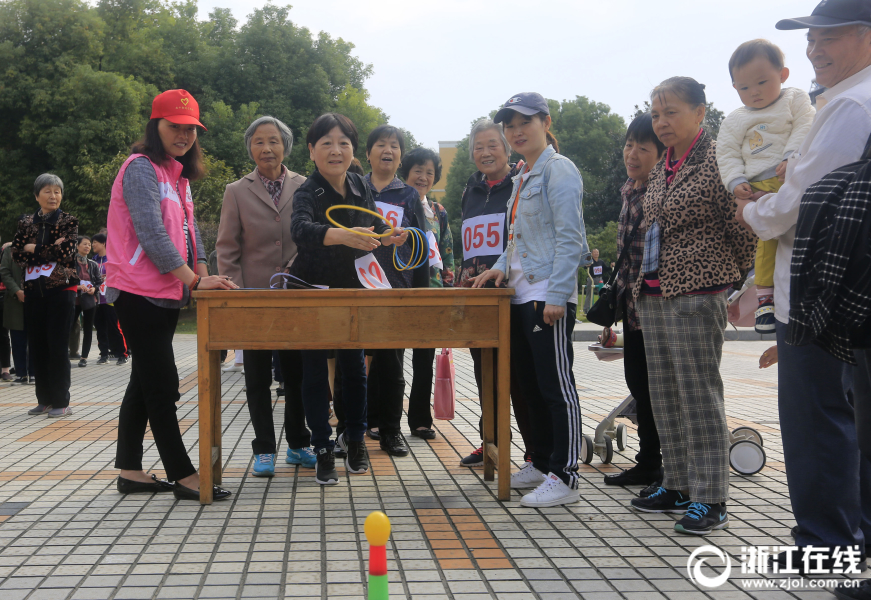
{"x":45,"y":247}
{"x":694,"y":251}
{"x":155,"y":259}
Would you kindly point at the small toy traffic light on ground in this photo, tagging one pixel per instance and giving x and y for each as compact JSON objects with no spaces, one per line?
{"x":377,"y":529}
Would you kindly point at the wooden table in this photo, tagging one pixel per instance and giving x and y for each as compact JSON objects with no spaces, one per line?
{"x":347,"y":318}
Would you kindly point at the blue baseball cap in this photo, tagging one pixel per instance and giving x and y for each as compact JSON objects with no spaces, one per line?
{"x":832,"y":13}
{"x":527,"y":103}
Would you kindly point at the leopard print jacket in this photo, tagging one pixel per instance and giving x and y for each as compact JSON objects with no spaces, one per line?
{"x":65,"y":226}
{"x":701,"y":243}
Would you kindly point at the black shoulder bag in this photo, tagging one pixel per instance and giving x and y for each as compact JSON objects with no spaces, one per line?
{"x":605,"y":311}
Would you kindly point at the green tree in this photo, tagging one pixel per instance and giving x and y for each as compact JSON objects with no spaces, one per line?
{"x":605,"y":240}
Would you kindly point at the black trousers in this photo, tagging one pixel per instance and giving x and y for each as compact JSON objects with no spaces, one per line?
{"x":5,"y":345}
{"x":385,"y":390}
{"x":87,"y":328}
{"x":258,"y":379}
{"x":110,"y":339}
{"x":22,"y":358}
{"x":419,"y":412}
{"x":153,"y":389}
{"x":543,"y":355}
{"x":649,"y":455}
{"x":862,"y":402}
{"x":518,"y":401}
{"x":48,"y":319}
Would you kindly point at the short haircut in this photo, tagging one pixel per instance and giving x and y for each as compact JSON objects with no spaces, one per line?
{"x":151,"y":146}
{"x":753,"y":49}
{"x":386,"y":132}
{"x":641,"y":130}
{"x":685,"y":88}
{"x":99,"y":237}
{"x":283,"y":130}
{"x":81,"y":239}
{"x":486,"y":125}
{"x":325,"y":123}
{"x":45,"y":180}
{"x":420,"y":156}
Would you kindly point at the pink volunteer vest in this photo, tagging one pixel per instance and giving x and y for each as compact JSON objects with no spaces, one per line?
{"x":128,"y":268}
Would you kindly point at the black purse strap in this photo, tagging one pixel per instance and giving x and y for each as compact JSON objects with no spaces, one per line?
{"x":627,"y":245}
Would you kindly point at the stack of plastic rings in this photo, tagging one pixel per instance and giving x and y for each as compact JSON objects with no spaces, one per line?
{"x":419,"y":243}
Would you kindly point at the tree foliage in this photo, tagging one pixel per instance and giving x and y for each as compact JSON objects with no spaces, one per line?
{"x":77,"y":80}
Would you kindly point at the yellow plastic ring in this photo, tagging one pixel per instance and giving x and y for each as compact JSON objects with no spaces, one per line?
{"x":365,"y":210}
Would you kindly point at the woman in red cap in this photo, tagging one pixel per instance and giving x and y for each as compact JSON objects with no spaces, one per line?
{"x":156,"y":258}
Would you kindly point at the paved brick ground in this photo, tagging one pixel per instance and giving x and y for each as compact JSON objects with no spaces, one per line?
{"x":66,"y":533}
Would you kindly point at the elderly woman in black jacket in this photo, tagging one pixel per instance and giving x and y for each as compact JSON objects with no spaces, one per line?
{"x":326,"y":256}
{"x":45,"y":247}
{"x":86,"y":295}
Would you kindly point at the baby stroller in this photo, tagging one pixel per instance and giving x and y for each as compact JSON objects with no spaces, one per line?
{"x":746,"y":455}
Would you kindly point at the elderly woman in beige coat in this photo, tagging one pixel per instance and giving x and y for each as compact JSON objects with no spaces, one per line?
{"x":254,"y":244}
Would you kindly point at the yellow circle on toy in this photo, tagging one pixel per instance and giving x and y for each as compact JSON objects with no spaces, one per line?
{"x":377,"y":528}
{"x":361,"y":209}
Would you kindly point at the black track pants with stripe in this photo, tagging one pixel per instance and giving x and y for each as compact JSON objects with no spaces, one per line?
{"x":542,"y":357}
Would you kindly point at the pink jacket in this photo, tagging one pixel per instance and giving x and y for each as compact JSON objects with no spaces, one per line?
{"x":128,"y":267}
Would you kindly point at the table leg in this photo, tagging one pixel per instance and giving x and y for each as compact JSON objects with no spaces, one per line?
{"x":215,"y":401}
{"x":209,"y":386}
{"x":503,"y":424}
{"x":487,"y":406}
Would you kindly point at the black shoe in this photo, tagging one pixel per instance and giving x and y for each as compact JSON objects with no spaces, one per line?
{"x":75,"y":355}
{"x":701,"y":518}
{"x":103,"y":360}
{"x":182,"y":493}
{"x":356,"y":457}
{"x":781,"y":562}
{"x":475,"y":459}
{"x":424,"y":434}
{"x":662,"y":501}
{"x":127,"y":486}
{"x":33,"y":380}
{"x":394,"y":444}
{"x":846,"y":591}
{"x":375,"y":435}
{"x":650,"y":489}
{"x":325,"y":470}
{"x":122,"y":361}
{"x":83,"y":362}
{"x":280,"y":389}
{"x":634,"y":476}
{"x":340,"y":450}
{"x":20,"y":380}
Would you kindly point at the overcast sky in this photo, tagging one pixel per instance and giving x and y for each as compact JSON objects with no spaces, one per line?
{"x":439,"y":65}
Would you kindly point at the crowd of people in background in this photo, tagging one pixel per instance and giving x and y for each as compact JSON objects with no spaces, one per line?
{"x":697,"y":215}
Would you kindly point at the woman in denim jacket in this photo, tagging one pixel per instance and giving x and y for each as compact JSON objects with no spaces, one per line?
{"x":546,"y":245}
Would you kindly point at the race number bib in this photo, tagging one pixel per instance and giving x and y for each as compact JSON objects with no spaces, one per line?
{"x":103,"y":289}
{"x":40,"y":271}
{"x":370,"y":273}
{"x":391,"y":212}
{"x":435,"y":257}
{"x":482,"y":236}
{"x":597,"y":270}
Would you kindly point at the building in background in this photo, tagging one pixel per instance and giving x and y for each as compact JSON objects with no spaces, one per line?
{"x":447,"y":152}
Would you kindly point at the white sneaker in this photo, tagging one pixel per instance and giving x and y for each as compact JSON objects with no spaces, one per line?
{"x":553,"y":492}
{"x":232,"y":369}
{"x":527,"y":477}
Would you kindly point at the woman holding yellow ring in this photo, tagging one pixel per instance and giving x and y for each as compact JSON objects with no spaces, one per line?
{"x":326,"y":257}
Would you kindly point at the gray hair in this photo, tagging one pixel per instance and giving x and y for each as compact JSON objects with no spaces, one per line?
{"x":283,"y":130}
{"x":45,"y":180}
{"x":486,"y":125}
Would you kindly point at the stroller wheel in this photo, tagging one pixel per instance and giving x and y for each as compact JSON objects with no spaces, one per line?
{"x":622,"y":437}
{"x":607,"y":453}
{"x":587,"y":450}
{"x":746,"y":457}
{"x":746,"y":433}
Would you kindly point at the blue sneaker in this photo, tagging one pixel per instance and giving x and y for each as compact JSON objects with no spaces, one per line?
{"x":662,"y":501}
{"x":264,"y":465}
{"x":702,"y":519}
{"x":303,"y":457}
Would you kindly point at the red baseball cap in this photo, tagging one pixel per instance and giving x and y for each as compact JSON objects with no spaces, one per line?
{"x":177,"y":106}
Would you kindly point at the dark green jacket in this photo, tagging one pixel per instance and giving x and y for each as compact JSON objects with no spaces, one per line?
{"x":13,"y":278}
